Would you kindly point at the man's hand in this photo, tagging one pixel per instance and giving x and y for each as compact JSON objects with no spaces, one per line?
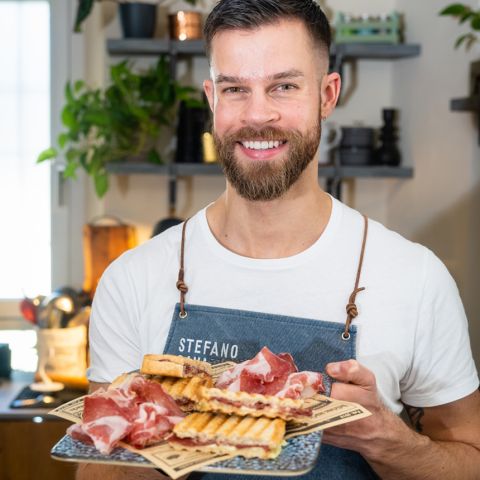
{"x":448,"y":448}
{"x":355,"y":383}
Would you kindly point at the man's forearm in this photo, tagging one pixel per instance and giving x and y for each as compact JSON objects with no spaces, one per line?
{"x":413,"y":456}
{"x":90,"y":471}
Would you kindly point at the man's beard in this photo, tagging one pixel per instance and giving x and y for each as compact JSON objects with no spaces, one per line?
{"x":263,"y":180}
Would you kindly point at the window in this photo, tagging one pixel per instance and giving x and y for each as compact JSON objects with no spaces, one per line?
{"x":25,"y":212}
{"x":41,"y":216}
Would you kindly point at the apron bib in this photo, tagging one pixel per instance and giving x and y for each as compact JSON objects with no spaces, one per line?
{"x":218,"y":334}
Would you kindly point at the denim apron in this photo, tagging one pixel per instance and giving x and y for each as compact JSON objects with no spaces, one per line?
{"x":218,"y":334}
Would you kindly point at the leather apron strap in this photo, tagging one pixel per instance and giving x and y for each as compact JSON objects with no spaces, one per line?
{"x":181,"y":286}
{"x":352,"y":311}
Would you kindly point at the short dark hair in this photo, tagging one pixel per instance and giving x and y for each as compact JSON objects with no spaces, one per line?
{"x":251,"y":14}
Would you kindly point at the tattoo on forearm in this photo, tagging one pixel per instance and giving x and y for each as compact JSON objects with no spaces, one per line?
{"x":415,"y":414}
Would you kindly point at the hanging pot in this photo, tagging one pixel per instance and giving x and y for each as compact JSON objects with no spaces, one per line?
{"x":138,"y":20}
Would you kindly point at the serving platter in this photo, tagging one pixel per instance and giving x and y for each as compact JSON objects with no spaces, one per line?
{"x":298,"y":457}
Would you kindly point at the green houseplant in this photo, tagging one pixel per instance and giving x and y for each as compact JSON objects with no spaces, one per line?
{"x":120,"y":122}
{"x":463,"y":13}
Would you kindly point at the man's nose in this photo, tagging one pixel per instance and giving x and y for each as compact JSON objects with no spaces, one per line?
{"x":260,"y":110}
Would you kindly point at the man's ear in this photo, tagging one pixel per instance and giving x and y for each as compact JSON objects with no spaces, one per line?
{"x":330,"y":91}
{"x":208,"y":88}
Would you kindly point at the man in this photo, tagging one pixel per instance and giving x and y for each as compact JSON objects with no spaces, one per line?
{"x":275,"y":260}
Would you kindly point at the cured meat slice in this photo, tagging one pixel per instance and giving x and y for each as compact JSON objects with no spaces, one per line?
{"x":137,"y":410}
{"x":301,"y":385}
{"x":153,"y":392}
{"x":151,"y":425}
{"x":270,"y":374}
{"x":104,"y":433}
{"x":253,"y":375}
{"x":98,"y":406}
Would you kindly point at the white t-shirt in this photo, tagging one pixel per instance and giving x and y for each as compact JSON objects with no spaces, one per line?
{"x":412,"y":331}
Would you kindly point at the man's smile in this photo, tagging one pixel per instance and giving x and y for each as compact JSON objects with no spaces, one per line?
{"x":262,"y":144}
{"x":262,"y":149}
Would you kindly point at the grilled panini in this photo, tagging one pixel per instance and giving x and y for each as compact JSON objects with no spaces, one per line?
{"x":252,"y":404}
{"x":174,"y":366}
{"x":217,"y":433}
{"x":185,"y":391}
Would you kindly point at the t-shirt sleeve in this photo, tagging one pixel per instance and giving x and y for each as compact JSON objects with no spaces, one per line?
{"x":442,"y":368}
{"x":113,"y":333}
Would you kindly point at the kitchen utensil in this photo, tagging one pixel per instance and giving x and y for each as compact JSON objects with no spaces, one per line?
{"x":43,"y":398}
{"x":104,"y":239}
{"x":185,"y":25}
{"x":357,"y":146}
{"x":388,"y":152}
{"x":81,"y":318}
{"x":46,"y":385}
{"x":61,"y":352}
{"x":138,"y":20}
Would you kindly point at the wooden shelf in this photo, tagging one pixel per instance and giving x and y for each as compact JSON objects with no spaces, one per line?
{"x":327,"y":171}
{"x":154,"y":46}
{"x":380,"y":51}
{"x":157,"y":46}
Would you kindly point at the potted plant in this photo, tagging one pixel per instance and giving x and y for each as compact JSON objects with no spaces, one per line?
{"x":464,"y":13}
{"x":121,"y":122}
{"x":467,"y":15}
{"x":137,"y":17}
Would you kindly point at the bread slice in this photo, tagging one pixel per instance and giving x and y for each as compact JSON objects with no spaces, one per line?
{"x":185,"y":391}
{"x":174,"y":366}
{"x":217,"y":433}
{"x":252,"y":404}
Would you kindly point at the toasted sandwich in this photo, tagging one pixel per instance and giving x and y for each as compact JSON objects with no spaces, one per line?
{"x":252,"y":404}
{"x":174,"y":366}
{"x":185,"y":391}
{"x":230,"y":434}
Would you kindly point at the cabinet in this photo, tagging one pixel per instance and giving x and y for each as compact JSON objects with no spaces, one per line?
{"x":339,"y":54}
{"x":25,"y":450}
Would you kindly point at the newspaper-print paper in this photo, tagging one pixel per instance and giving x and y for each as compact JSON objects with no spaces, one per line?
{"x":327,"y":412}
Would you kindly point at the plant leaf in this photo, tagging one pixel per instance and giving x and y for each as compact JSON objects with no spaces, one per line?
{"x":475,"y":22}
{"x":79,"y":84}
{"x":83,"y":11}
{"x":467,"y":37}
{"x":154,"y":157}
{"x":70,"y":170}
{"x":47,"y":154}
{"x":68,"y":93}
{"x":68,"y":118}
{"x":62,"y":140}
{"x":101,"y":183}
{"x":455,"y":10}
{"x":470,"y":42}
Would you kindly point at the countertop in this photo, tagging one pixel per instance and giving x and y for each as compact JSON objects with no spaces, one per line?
{"x":9,"y":389}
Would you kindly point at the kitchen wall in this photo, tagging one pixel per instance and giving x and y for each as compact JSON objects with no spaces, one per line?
{"x":438,"y":207}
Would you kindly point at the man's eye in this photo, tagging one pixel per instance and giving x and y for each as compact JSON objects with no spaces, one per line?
{"x":285,"y":87}
{"x":232,"y":90}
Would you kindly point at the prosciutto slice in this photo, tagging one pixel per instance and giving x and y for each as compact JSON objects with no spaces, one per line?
{"x":302,"y":385}
{"x":271,"y":374}
{"x":138,"y":411}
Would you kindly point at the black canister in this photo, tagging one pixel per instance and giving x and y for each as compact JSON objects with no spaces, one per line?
{"x":138,"y":20}
{"x":357,"y":146}
{"x":388,"y":152}
{"x":192,"y":124}
{"x":5,"y":360}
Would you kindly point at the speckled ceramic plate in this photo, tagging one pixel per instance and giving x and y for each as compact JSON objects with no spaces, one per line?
{"x":298,"y":457}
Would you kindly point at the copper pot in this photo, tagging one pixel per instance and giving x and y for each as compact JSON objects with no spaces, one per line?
{"x":185,"y":25}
